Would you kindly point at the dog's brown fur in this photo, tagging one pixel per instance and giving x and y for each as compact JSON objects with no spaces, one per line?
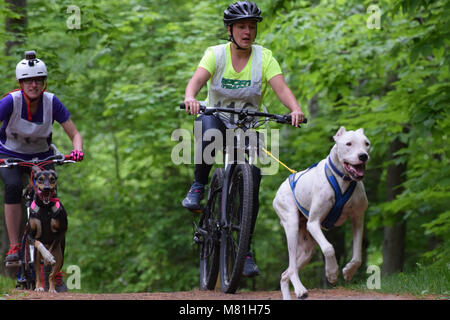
{"x":47,"y":226}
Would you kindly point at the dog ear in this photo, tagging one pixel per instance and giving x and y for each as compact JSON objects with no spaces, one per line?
{"x":53,"y":172}
{"x":340,"y":132}
{"x":360,"y":130}
{"x":36,"y":169}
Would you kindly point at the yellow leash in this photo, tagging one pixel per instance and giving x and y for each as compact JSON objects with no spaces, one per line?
{"x":268,"y":153}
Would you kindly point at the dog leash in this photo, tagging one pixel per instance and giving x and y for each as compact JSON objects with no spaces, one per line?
{"x":278,"y":160}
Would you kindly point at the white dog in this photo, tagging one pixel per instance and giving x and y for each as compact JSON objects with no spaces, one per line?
{"x":326,"y":194}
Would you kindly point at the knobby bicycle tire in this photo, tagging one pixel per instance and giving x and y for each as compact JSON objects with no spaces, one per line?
{"x":25,"y":273}
{"x":236,"y":233}
{"x":209,"y":245}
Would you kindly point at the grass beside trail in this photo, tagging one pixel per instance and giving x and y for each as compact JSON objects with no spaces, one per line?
{"x":6,"y":286}
{"x":419,"y":282}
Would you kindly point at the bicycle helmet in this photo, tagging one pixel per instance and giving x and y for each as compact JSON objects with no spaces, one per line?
{"x":241,"y":10}
{"x":30,"y":67}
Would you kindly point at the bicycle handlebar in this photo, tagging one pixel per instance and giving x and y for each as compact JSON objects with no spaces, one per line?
{"x":246,"y":112}
{"x":57,"y":158}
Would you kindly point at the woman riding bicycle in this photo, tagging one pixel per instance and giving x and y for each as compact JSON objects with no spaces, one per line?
{"x":239,"y":72}
{"x":28,"y":114}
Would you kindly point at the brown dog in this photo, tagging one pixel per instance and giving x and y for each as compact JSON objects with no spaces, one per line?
{"x":47,"y":226}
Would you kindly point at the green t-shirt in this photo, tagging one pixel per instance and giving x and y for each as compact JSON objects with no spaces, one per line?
{"x":233,"y":79}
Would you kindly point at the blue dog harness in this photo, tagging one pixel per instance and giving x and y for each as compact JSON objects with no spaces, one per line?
{"x":340,"y":199}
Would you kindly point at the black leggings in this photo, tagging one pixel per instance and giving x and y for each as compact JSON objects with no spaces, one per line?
{"x":12,"y":179}
{"x":202,"y":170}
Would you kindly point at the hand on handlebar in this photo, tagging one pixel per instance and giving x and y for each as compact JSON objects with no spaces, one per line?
{"x":76,"y":155}
{"x":192,"y":105}
{"x":297,"y":117}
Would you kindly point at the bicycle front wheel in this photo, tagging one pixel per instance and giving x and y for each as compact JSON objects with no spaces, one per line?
{"x":210,"y":233}
{"x":236,"y":232}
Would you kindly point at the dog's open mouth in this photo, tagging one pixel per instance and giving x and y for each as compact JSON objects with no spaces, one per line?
{"x":355,"y":170}
{"x":45,"y":196}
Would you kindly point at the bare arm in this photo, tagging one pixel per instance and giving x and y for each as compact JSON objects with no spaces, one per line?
{"x":198,"y":80}
{"x":73,"y":134}
{"x":286,"y":96}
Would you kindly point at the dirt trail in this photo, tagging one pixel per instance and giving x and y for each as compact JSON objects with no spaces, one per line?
{"x":314,"y":294}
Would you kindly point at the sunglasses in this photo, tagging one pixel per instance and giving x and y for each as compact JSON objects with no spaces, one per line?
{"x":35,"y":80}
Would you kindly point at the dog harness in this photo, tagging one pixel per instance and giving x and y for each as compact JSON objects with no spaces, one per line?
{"x":55,"y":208}
{"x":340,"y":199}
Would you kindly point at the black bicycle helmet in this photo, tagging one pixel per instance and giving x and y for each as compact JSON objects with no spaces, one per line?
{"x":241,"y":10}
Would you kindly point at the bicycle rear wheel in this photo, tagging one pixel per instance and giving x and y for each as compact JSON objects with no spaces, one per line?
{"x":210,"y":233}
{"x":236,"y":232}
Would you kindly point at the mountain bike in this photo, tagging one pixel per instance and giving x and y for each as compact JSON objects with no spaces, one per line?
{"x":224,"y":229}
{"x":25,"y":265}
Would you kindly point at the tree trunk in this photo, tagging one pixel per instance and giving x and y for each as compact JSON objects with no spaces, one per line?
{"x":15,"y":26}
{"x":394,"y":235}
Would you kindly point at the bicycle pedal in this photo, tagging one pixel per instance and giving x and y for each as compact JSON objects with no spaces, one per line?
{"x":197,"y":239}
{"x":13,"y":264}
{"x":196,"y":210}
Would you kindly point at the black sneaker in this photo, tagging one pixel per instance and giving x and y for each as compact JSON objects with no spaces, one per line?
{"x":250,"y":267}
{"x":193,"y":197}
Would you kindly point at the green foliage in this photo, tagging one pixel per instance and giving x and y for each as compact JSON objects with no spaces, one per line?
{"x":7,"y":285}
{"x":123,"y":74}
{"x":419,"y":280}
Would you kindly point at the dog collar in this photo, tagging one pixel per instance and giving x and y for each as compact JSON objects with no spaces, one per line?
{"x":336,"y":170}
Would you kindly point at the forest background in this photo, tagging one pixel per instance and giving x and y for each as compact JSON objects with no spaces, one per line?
{"x":121,"y":68}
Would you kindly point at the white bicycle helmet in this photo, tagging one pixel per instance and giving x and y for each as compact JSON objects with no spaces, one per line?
{"x":30,"y":67}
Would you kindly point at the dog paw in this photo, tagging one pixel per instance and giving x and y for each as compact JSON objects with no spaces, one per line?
{"x":347,"y":274}
{"x":332,"y":279}
{"x":303,"y":296}
{"x":331,"y":269}
{"x":350,"y":270}
{"x":332,"y":275}
{"x":301,"y":293}
{"x":52,"y":291}
{"x":39,"y":289}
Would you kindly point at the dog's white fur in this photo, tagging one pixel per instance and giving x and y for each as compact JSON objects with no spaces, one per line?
{"x":314,"y":192}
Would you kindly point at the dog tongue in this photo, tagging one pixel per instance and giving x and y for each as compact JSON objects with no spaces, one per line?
{"x":356,"y":170}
